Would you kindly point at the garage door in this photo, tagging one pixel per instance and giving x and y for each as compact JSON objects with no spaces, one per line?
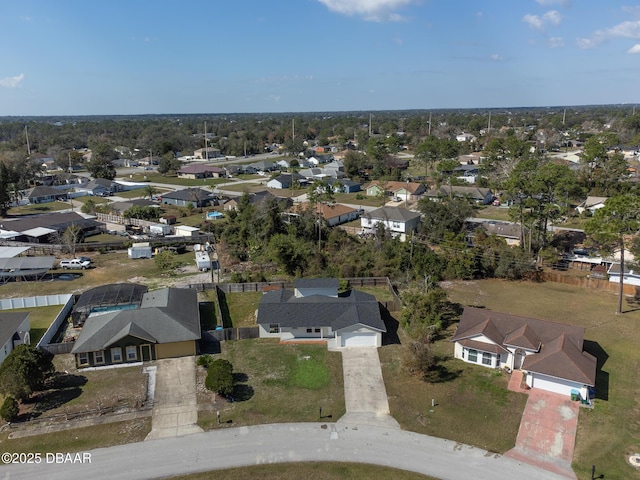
{"x":359,"y":339}
{"x":553,"y":385}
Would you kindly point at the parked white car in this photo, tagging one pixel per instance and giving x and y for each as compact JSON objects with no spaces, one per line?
{"x":75,"y":263}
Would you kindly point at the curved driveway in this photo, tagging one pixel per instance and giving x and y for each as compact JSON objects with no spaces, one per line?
{"x":265,"y":444}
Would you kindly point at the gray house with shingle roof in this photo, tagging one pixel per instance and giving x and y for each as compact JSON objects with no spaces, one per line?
{"x":14,"y":330}
{"x":399,"y":221}
{"x":315,"y":311}
{"x":166,"y":325}
{"x":551,"y":354}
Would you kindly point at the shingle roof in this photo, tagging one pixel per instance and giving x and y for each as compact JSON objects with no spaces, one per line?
{"x":560,"y":354}
{"x":392,"y":213}
{"x":282,"y":307}
{"x":9,"y":323}
{"x":165,"y":316}
{"x":188,"y":194}
{"x":316,"y":283}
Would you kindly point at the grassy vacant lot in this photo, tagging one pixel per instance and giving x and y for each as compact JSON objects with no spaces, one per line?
{"x":308,"y":471}
{"x":473,"y":405}
{"x":277,"y":383}
{"x":155,"y":177}
{"x":610,"y":431}
{"x":39,"y":208}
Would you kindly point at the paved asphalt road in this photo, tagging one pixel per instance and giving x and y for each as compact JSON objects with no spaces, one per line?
{"x":266,"y":444}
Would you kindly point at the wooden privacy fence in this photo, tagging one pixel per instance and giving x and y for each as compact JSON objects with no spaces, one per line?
{"x":590,"y":282}
{"x":240,"y":333}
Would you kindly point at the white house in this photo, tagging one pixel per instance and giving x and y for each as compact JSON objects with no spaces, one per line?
{"x":399,"y":221}
{"x":592,"y":204}
{"x":631,"y":277}
{"x":551,"y":354}
{"x":14,"y":331}
{"x":314,"y":312}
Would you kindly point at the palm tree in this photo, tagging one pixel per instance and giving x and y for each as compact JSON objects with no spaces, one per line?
{"x":149,"y":191}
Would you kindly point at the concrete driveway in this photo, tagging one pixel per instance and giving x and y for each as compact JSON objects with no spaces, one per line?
{"x":364,"y":392}
{"x":547,"y":433}
{"x":175,"y":409}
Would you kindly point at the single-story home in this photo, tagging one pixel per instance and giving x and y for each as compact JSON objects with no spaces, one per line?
{"x":332,"y":214}
{"x":591,"y":204}
{"x":44,"y":194}
{"x":509,"y":232}
{"x":399,"y":221}
{"x":343,"y":185}
{"x":185,"y":231}
{"x":100,"y":186}
{"x":14,"y":331}
{"x":315,"y":311}
{"x":551,"y":354}
{"x":630,"y":277}
{"x":181,"y":198}
{"x":404,"y":190}
{"x":283,"y":181}
{"x":482,"y":196}
{"x":196,"y":170}
{"x":166,"y":325}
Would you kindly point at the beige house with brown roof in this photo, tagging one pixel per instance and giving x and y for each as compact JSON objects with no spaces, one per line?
{"x":333,"y":214}
{"x":550,"y":354}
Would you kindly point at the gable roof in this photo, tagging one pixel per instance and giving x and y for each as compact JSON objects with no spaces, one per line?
{"x":413,"y":188}
{"x":188,"y":194}
{"x":9,"y":323}
{"x":284,"y":308}
{"x":396,"y":214}
{"x":477,"y":193}
{"x":560,"y":352}
{"x":44,"y":191}
{"x":196,"y":168}
{"x":165,"y":316}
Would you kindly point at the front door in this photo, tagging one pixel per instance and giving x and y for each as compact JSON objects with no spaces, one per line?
{"x":518,"y":359}
{"x":145,"y":350}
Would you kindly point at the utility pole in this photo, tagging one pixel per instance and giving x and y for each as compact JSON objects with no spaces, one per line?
{"x":26,"y":134}
{"x":429,"y":123}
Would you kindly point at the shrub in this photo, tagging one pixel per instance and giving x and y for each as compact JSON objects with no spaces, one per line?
{"x":9,"y":409}
{"x":204,"y":360}
{"x":220,"y":377}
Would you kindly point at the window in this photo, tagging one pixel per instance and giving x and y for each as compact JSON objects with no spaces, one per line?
{"x":395,"y":225}
{"x":132,"y":352}
{"x":317,"y":330}
{"x":473,"y":356}
{"x":98,"y":357}
{"x":274,"y":328}
{"x":83,"y":358}
{"x":116,"y":354}
{"x":309,"y":330}
{"x":487,"y":359}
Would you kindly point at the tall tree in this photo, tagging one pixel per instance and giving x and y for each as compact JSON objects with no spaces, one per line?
{"x":24,"y":372}
{"x":611,"y":226}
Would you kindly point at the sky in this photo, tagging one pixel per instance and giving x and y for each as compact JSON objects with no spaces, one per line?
{"x":126,"y":57}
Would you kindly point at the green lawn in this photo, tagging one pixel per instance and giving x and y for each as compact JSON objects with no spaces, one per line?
{"x":493,"y":213}
{"x":240,"y":309}
{"x":39,"y":208}
{"x":308,"y":471}
{"x":278,"y":383}
{"x":174,"y":179}
{"x":609,"y":432}
{"x":39,"y":320}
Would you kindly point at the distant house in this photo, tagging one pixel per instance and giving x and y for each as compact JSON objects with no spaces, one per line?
{"x":166,"y":325}
{"x":343,"y":185}
{"x":194,"y":196}
{"x":399,"y":221}
{"x":315,"y":311}
{"x":100,"y":186}
{"x":551,"y":354}
{"x":206,"y":154}
{"x":43,"y":194}
{"x":406,"y":191}
{"x":333,"y":214}
{"x":591,"y":204}
{"x":482,"y":196}
{"x":258,"y":199}
{"x":465,"y":137}
{"x":201,"y":171}
{"x":509,"y":232}
{"x":283,"y":181}
{"x":46,"y":228}
{"x":262,"y":166}
{"x":14,"y":330}
{"x":468,"y":173}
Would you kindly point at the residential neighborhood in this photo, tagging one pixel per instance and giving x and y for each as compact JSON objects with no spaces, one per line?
{"x":374,"y":288}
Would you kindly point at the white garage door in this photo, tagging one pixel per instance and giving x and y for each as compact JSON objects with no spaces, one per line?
{"x":553,"y":385}
{"x":359,"y":339}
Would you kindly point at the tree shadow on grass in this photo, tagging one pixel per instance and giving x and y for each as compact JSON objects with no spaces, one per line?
{"x":390,"y":337}
{"x":440,"y":373}
{"x":242,"y":392}
{"x":602,"y":377}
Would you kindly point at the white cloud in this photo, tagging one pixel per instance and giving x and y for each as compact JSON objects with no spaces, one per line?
{"x":552,"y":17}
{"x":496,"y":57}
{"x":628,"y":29}
{"x":633,"y":10}
{"x":556,"y":42}
{"x":12,"y":82}
{"x":634,"y":49}
{"x":533,"y":21}
{"x":372,"y":10}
